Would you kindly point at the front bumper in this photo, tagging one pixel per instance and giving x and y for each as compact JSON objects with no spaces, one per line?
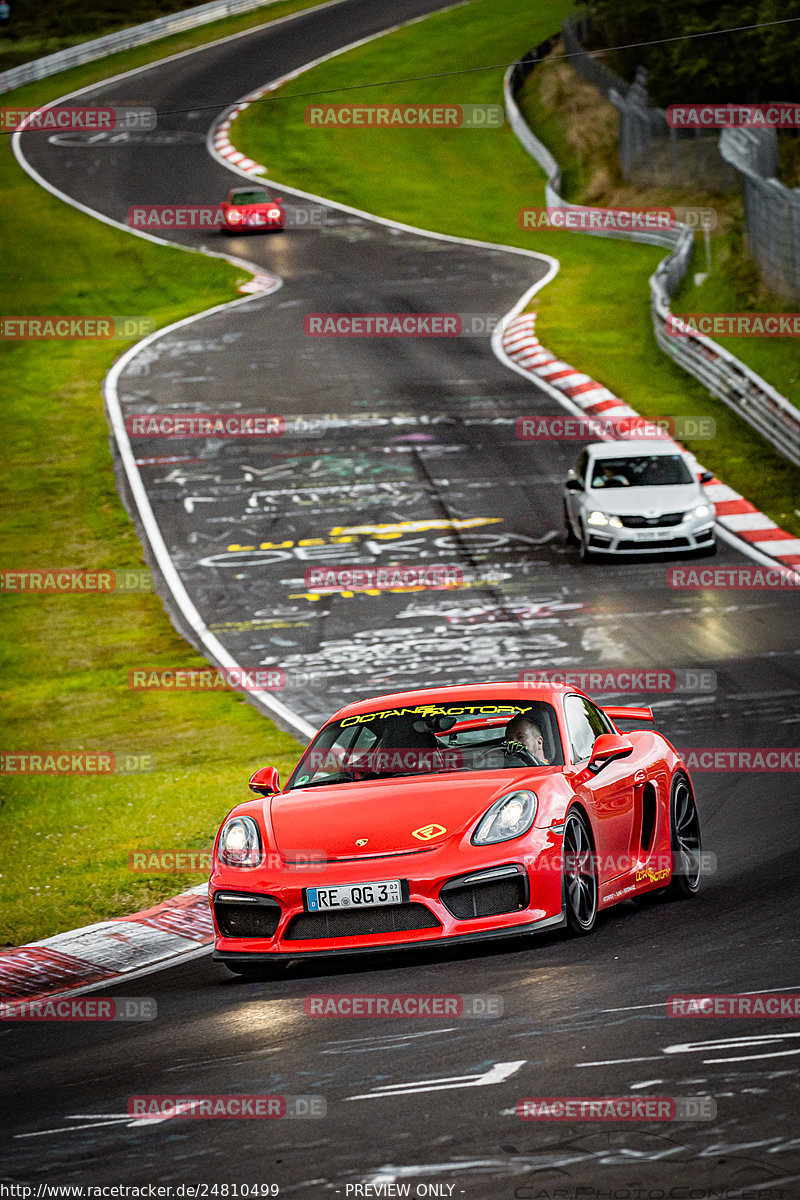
{"x":444,"y":902}
{"x":253,"y":225}
{"x":688,"y":535}
{"x":543,"y":925}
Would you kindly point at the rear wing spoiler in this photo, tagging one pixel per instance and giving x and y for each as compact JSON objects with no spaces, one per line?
{"x":628,"y":714}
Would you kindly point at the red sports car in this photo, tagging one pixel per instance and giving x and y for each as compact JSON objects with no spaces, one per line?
{"x":247,"y":209}
{"x":450,"y":815}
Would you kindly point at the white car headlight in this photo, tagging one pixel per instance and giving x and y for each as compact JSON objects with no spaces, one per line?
{"x":702,"y":510}
{"x":509,"y":817}
{"x":601,"y":518}
{"x":239,"y":843}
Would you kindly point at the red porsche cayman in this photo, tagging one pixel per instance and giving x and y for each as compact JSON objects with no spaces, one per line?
{"x":248,"y":209}
{"x":450,"y":815}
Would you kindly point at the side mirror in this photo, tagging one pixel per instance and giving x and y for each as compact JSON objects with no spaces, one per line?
{"x":265,"y":782}
{"x":607,"y":747}
{"x":573,"y":485}
{"x":706,"y":476}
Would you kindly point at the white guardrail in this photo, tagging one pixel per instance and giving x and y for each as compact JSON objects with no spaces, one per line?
{"x":725,"y":376}
{"x":124,"y":39}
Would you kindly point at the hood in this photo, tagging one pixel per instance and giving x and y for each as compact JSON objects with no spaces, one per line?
{"x":387,"y":812}
{"x":646,"y":501}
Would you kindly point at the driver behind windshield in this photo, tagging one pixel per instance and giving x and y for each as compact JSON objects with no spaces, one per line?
{"x":524,"y":740}
{"x":610,"y":477}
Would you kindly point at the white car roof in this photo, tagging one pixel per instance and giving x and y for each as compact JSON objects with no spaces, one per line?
{"x":633,"y":448}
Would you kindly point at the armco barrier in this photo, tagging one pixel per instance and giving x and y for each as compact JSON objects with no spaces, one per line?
{"x":124,"y":39}
{"x":725,"y":376}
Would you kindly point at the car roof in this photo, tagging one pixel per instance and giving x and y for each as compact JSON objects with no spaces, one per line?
{"x":466,"y":692}
{"x":634,"y":448}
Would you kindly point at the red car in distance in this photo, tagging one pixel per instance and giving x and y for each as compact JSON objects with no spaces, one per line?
{"x":451,"y":815}
{"x":248,"y":209}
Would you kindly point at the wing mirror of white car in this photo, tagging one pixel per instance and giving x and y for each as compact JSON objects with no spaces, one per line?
{"x":607,"y":747}
{"x":265,"y":782}
{"x":706,"y":476}
{"x":574,"y":485}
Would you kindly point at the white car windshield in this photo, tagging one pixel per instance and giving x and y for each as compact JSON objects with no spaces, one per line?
{"x":650,"y":470}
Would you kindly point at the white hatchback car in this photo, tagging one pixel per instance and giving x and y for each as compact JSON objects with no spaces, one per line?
{"x":637,"y":498}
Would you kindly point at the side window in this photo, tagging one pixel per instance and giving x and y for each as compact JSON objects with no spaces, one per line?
{"x":585,"y":722}
{"x":580,"y":470}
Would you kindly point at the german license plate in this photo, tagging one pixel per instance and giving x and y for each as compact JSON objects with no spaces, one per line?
{"x":354,"y":895}
{"x":656,"y":535}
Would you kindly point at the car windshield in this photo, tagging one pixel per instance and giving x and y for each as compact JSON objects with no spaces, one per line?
{"x":431,"y":739}
{"x":250,"y":198}
{"x":649,"y":470}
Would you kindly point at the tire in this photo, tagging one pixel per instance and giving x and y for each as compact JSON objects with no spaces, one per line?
{"x":584,"y":553}
{"x":684,"y":841}
{"x":571,"y":538}
{"x":580,"y":888}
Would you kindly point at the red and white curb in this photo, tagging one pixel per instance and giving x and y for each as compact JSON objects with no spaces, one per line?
{"x":103,"y":953}
{"x":734,"y":514}
{"x":225,"y":148}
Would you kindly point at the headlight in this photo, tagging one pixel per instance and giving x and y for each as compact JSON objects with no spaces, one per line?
{"x":601,"y":518}
{"x":273,"y":214}
{"x":702,"y":510}
{"x":233,"y":216}
{"x":239,"y":843}
{"x":509,"y":817}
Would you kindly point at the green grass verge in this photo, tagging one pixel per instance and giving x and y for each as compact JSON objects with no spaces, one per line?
{"x":65,"y":840}
{"x":473,"y":183}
